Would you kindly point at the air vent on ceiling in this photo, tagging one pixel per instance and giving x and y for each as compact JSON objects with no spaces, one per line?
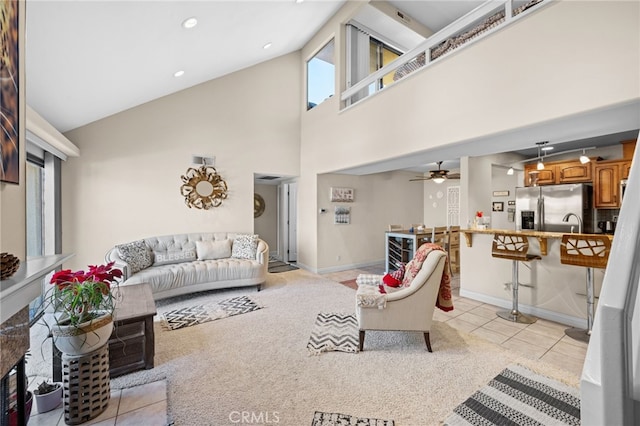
{"x":268,"y":177}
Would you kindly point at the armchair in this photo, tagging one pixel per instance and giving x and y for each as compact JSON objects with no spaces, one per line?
{"x":411,"y":307}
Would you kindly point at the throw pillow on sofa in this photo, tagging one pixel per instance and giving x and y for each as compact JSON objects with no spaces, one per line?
{"x":211,"y":250}
{"x":245,"y":246}
{"x":137,"y":254}
{"x":169,"y":256}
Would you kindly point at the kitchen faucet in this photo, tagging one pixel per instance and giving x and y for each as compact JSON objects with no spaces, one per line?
{"x":566,"y":219}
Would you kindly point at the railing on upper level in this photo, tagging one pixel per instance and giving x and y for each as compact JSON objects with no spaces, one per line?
{"x":610,"y":384}
{"x":475,"y":25}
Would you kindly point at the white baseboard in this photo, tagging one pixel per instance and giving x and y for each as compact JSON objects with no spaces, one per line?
{"x":526,"y":309}
{"x":348,"y":267}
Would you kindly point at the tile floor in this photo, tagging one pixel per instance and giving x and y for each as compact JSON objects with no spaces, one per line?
{"x":543,"y":340}
{"x":140,"y":405}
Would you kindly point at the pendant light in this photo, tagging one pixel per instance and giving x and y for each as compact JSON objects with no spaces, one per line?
{"x":583,"y":158}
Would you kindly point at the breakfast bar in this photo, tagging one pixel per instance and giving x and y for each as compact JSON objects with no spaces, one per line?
{"x":549,"y":289}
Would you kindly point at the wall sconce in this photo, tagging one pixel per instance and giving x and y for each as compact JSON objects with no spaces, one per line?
{"x":510,"y":171}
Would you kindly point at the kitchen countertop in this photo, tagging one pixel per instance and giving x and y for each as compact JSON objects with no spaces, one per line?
{"x":542,"y":236}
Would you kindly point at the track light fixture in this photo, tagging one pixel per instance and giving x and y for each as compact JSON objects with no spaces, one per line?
{"x":583,"y":158}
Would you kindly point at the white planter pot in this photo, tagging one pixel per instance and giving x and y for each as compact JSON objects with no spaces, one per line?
{"x":49,"y":401}
{"x":85,"y":337}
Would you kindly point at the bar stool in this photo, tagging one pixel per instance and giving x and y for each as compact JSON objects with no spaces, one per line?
{"x":589,"y":251}
{"x":515,"y":248}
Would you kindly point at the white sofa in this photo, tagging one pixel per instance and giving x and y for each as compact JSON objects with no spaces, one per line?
{"x":187,"y":263}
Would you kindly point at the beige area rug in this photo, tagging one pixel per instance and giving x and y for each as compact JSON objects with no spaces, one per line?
{"x":259,"y":363}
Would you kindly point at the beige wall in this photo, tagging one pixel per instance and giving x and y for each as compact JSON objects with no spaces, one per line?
{"x":267,"y":224}
{"x":379,"y":200}
{"x":126,"y":183}
{"x":549,"y":65}
{"x":13,"y":221}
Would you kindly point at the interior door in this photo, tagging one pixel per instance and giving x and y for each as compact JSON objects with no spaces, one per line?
{"x":292,"y":222}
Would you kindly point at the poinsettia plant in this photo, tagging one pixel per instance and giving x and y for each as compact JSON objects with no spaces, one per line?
{"x":80,"y":296}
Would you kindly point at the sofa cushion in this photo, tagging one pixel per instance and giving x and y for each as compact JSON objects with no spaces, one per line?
{"x":137,"y":254}
{"x":169,"y":256}
{"x":168,"y":277}
{"x":211,"y":250}
{"x":244,"y":246}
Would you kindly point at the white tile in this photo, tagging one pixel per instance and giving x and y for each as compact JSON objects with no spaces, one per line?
{"x":485,"y":311}
{"x":141,"y":396}
{"x":525,"y":348}
{"x":150,"y":415}
{"x":564,"y":348}
{"x":489,"y":335}
{"x":503,"y":327}
{"x":473,"y":319}
{"x":536,"y":338}
{"x":565,"y":362}
{"x":461,"y":325}
{"x":45,"y":419}
{"x":543,"y":328}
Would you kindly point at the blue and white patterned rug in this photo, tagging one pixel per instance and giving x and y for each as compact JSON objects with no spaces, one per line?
{"x":518,"y":396}
{"x":334,"y":332}
{"x":193,"y":315}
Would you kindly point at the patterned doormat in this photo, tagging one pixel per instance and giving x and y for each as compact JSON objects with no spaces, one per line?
{"x":518,"y":396}
{"x":193,"y":315}
{"x":334,"y":332}
{"x":276,"y":266}
{"x":337,"y":419}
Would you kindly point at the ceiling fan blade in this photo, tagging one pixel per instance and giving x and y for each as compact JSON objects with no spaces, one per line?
{"x":419,"y":178}
{"x":453,"y":176}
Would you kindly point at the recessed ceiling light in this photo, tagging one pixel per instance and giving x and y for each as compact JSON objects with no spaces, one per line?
{"x":299,"y":1}
{"x":178,"y":73}
{"x":266,"y":46}
{"x":189,"y":23}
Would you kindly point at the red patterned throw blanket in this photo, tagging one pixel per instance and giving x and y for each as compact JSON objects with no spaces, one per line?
{"x":444,"y":301}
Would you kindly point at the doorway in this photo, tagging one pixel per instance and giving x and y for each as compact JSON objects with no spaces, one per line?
{"x":288,"y":222}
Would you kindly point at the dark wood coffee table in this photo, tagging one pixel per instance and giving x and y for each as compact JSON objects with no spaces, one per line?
{"x":131,"y":346}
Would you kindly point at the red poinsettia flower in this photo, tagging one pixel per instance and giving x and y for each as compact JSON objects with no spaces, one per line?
{"x":78,"y":295}
{"x":479,"y":213}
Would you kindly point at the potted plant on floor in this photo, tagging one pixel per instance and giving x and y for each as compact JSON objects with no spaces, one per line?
{"x":83,"y":306}
{"x":48,"y":396}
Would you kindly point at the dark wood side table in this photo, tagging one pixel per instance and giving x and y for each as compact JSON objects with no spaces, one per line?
{"x":132,"y":343}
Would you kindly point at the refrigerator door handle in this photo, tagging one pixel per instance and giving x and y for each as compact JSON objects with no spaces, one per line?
{"x":541,"y":213}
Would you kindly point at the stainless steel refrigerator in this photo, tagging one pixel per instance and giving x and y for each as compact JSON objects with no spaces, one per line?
{"x":543,"y":208}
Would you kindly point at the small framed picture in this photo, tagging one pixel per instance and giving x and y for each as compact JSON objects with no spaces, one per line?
{"x":341,"y":195}
{"x":342,"y":215}
{"x":498,"y":206}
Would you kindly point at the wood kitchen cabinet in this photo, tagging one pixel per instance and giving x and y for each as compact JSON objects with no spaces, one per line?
{"x":625,"y":167}
{"x":533,"y":176}
{"x":606,"y":184}
{"x":558,"y":172}
{"x":573,"y":172}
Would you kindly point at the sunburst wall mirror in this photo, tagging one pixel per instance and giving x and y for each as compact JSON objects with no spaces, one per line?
{"x":203,"y":188}
{"x":258,"y":205}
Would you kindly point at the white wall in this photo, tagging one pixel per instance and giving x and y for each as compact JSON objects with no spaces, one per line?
{"x":267,"y":224}
{"x":549,"y":65}
{"x":501,"y":182}
{"x":126,"y":184}
{"x":380,"y":199}
{"x":435,"y":201}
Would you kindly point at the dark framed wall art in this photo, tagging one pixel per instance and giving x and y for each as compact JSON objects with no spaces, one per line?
{"x":9,"y":94}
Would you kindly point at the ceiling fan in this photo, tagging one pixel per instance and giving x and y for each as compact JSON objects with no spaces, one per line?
{"x":438,"y":176}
